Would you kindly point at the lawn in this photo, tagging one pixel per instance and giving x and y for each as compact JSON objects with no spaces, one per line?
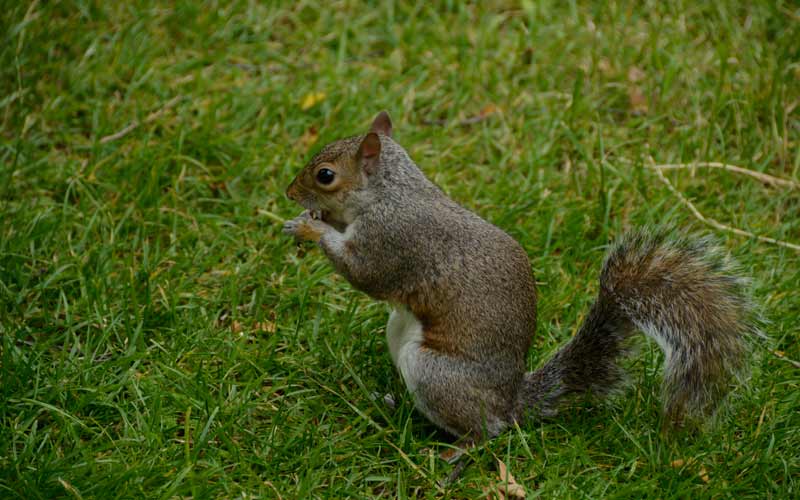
{"x":160,"y":337}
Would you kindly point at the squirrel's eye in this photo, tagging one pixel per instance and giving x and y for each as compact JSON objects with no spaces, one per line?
{"x":325,"y":176}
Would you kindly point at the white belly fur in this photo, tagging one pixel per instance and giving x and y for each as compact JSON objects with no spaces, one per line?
{"x":404,"y":336}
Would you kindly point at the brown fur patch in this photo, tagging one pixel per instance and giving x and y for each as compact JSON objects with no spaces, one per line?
{"x":308,"y":232}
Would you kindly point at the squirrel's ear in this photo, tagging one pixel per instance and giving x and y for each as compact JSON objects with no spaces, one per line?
{"x":369,"y":153}
{"x":382,"y":124}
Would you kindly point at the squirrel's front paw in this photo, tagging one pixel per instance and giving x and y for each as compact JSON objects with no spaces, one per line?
{"x":304,"y":227}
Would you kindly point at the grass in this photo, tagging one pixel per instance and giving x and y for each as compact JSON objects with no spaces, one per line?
{"x":160,"y":337}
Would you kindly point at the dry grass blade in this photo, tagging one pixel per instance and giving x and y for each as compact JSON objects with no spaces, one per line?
{"x":713,"y":222}
{"x":414,"y":466}
{"x":70,"y":488}
{"x":766,"y":178}
{"x":136,"y":123}
{"x":703,"y":473}
{"x":782,"y":355}
{"x":486,"y":112}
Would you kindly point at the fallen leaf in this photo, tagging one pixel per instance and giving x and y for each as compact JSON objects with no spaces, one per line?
{"x":489,"y":109}
{"x":703,"y":473}
{"x":635,"y":74}
{"x":491,"y":493}
{"x":312,"y":99}
{"x":265,"y":326}
{"x":604,"y":65}
{"x":508,"y":485}
{"x":638,"y":101}
{"x":309,"y":137}
{"x":218,"y":188}
{"x":236,"y":327}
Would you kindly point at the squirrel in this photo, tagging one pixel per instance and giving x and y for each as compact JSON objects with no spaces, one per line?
{"x":464,"y":296}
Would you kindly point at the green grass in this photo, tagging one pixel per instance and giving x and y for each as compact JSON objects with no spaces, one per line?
{"x":161,"y":338}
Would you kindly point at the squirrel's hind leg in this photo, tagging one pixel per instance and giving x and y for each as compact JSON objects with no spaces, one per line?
{"x":452,"y":392}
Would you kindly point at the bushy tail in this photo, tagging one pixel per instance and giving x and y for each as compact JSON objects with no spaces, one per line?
{"x":684,"y":294}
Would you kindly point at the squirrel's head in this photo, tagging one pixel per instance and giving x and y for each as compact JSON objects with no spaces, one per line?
{"x":328,"y":183}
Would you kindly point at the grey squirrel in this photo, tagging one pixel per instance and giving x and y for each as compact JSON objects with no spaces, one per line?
{"x":464,"y":296}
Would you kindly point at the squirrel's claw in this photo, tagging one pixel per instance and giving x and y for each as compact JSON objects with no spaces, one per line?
{"x":290,"y":227}
{"x":304,"y":227}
